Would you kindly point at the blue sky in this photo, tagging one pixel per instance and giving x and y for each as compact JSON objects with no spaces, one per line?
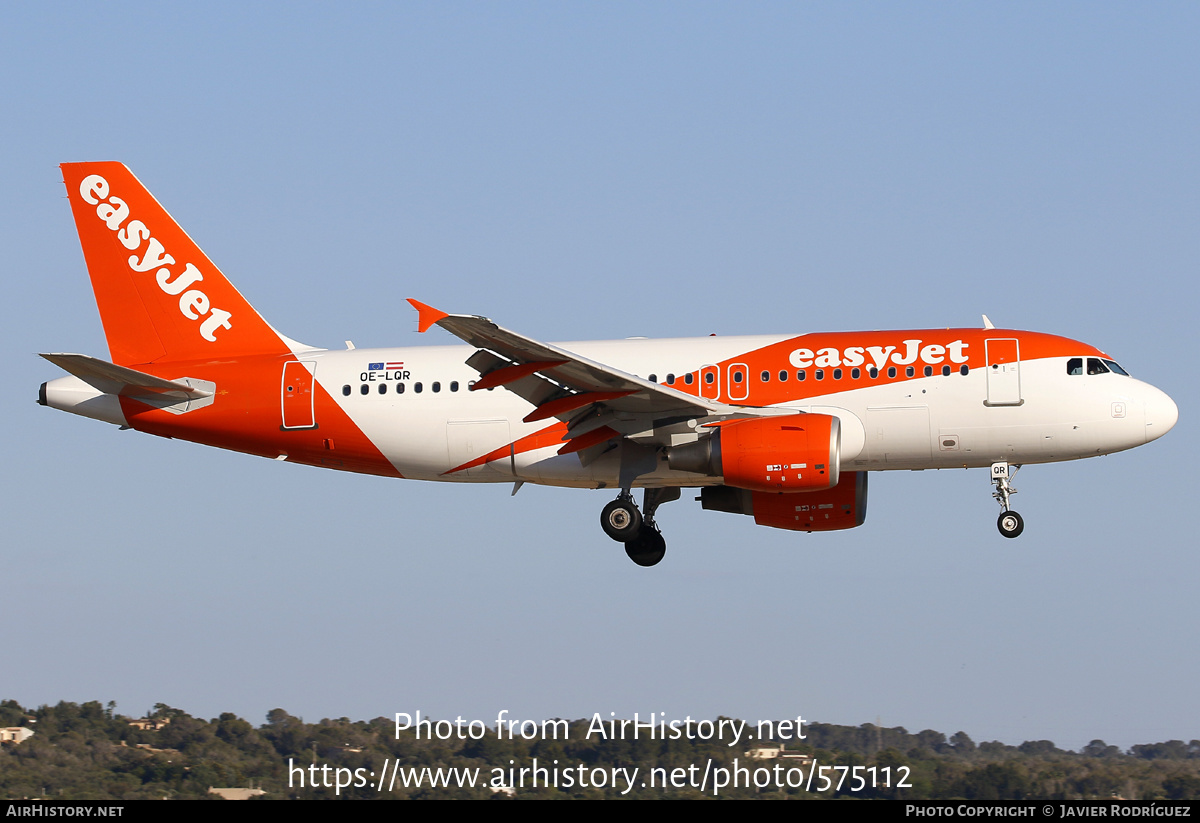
{"x":580,"y":171}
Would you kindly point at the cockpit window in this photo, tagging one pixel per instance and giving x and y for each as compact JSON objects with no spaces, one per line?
{"x":1095,"y":365}
{"x":1114,"y":367}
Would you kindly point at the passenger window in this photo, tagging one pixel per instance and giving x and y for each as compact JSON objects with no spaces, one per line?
{"x":453,"y":385}
{"x":365,"y":389}
{"x":929,"y":371}
{"x":874,"y":372}
{"x":737,"y":377}
{"x":346,"y":390}
{"x":800,"y":375}
{"x":964,"y":370}
{"x":437,"y":387}
{"x":383,"y":388}
{"x":670,"y":379}
{"x":820,"y":374}
{"x":689,"y":378}
{"x":945,"y":371}
{"x":837,"y":374}
{"x":891,"y":371}
{"x":783,"y":375}
{"x":856,"y":373}
{"x":909,"y":371}
{"x":417,"y":387}
{"x":399,"y":388}
{"x":653,"y":378}
{"x":765,"y":377}
{"x":708,"y":378}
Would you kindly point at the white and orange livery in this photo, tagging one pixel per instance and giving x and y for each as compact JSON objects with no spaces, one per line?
{"x":784,"y":428}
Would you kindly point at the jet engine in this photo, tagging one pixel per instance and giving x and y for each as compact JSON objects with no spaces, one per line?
{"x":792,"y":453}
{"x":842,"y":507}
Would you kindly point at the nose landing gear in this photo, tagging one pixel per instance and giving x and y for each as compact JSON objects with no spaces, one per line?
{"x":622,"y":521}
{"x":1009,"y":523}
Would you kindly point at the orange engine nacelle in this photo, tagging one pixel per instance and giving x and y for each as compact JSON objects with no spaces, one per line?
{"x":794,"y":453}
{"x":842,"y":507}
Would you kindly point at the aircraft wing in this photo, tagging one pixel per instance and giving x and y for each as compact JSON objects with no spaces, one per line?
{"x":592,"y":398}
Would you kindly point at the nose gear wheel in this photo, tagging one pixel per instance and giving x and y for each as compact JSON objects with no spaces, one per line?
{"x":1009,"y":523}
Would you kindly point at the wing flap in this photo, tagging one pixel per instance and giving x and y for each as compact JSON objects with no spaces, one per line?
{"x":564,"y":405}
{"x":586,"y":441}
{"x":510,"y":374}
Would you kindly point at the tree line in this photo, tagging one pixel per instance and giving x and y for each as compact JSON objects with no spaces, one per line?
{"x":88,"y":751}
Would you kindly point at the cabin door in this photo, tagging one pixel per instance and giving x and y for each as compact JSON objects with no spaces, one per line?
{"x":1003,"y":372}
{"x":297,"y":392}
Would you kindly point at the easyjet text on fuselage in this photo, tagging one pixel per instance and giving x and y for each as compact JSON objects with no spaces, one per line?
{"x":907,"y":353}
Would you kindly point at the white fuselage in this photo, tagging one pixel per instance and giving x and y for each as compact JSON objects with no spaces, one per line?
{"x":918,"y":423}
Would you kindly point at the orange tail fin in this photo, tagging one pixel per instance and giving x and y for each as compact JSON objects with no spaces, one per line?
{"x":160,"y":297}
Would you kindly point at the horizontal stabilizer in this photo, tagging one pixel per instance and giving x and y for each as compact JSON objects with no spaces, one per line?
{"x":119,"y":380}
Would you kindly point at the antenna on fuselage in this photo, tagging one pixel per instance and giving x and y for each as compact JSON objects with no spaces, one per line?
{"x":987,"y":324}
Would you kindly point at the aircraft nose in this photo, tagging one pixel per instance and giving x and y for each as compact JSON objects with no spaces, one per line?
{"x":1161,"y":414}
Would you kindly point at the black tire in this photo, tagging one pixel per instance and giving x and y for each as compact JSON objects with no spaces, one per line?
{"x":648,"y":548}
{"x":1010,"y":524}
{"x":621,"y":520}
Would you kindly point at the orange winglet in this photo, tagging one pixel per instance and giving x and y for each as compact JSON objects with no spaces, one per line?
{"x":426,"y":315}
{"x":509,"y":374}
{"x":572,"y":402}
{"x":592,"y":438}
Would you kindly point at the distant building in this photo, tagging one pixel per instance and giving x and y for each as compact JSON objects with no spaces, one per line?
{"x":15,"y":734}
{"x":151,"y":724}
{"x":772,"y":752}
{"x":765,"y":752}
{"x":236,"y":794}
{"x":805,"y":759}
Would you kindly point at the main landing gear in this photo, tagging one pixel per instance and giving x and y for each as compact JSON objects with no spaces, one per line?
{"x":622,"y":521}
{"x":1009,"y":523}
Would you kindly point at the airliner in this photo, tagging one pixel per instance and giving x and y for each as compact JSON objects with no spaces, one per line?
{"x":782,"y":428}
